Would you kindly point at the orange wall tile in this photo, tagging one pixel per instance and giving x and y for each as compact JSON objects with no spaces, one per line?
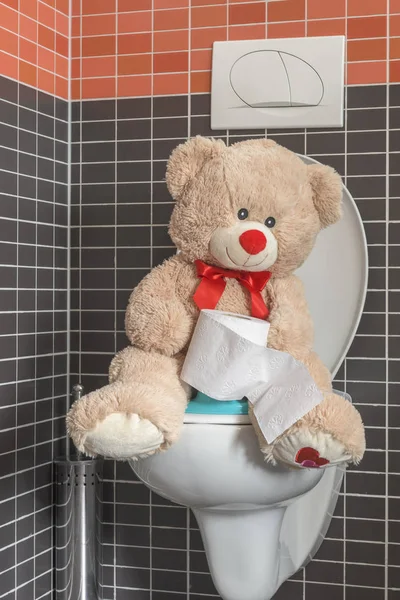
{"x":171,"y":84}
{"x":104,"y":45}
{"x":46,"y":37}
{"x":134,"y":43}
{"x":366,"y":7}
{"x":166,"y":41}
{"x":138,"y":64}
{"x":175,"y":3}
{"x":200,"y":60}
{"x":98,"y":7}
{"x":99,"y":66}
{"x":283,"y":30}
{"x":46,"y":15}
{"x":395,"y":48}
{"x":62,"y":24}
{"x":394,"y":25}
{"x":11,"y":3}
{"x":394,"y":6}
{"x":317,"y":9}
{"x":200,"y":82}
{"x":134,"y":22}
{"x":326,"y":27}
{"x":129,"y":6}
{"x":29,"y":8}
{"x":8,"y":41}
{"x":63,"y":6}
{"x":171,"y":62}
{"x":139,"y":85}
{"x":98,"y":88}
{"x":62,"y":45}
{"x":208,"y":2}
{"x":98,"y":24}
{"x":62,"y":66}
{"x":9,"y":18}
{"x":46,"y":81}
{"x":9,"y":65}
{"x":204,"y":38}
{"x":394,"y":71}
{"x":28,"y":51}
{"x":208,"y":16}
{"x":28,"y":28}
{"x":171,"y":19}
{"x":27,"y":73}
{"x":239,"y":14}
{"x":46,"y":59}
{"x":366,"y":27}
{"x":366,"y":72}
{"x":246,"y":32}
{"x":62,"y":87}
{"x":290,"y":10}
{"x":366,"y":49}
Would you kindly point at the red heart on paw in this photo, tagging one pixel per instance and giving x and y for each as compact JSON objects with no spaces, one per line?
{"x":308,"y":456}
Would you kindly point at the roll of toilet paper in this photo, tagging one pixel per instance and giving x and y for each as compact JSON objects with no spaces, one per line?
{"x":228,"y":360}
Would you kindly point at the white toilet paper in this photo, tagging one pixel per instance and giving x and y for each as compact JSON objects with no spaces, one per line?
{"x":228,"y":359}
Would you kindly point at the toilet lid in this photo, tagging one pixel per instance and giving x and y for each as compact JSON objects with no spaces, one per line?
{"x":335,"y":278}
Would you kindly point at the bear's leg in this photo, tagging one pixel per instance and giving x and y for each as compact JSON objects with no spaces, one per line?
{"x":139,"y":413}
{"x":331,"y":433}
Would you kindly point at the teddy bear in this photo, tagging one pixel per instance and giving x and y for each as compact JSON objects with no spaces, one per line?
{"x":241,"y":210}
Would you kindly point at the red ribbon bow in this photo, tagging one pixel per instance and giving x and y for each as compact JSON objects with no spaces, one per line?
{"x":212,"y":286}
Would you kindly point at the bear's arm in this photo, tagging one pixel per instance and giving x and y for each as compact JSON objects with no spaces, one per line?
{"x":291,"y":325}
{"x":156,"y":319}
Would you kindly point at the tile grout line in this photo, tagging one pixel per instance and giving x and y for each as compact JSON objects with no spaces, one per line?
{"x":387,"y":301}
{"x":69,"y":223}
{"x":346,"y":105}
{"x":54,"y":286}
{"x":36,"y":294}
{"x":151,"y":247}
{"x":17,"y":319}
{"x":79,"y":349}
{"x":115,"y":267}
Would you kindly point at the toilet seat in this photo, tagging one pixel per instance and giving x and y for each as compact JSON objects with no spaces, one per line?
{"x":334,"y":275}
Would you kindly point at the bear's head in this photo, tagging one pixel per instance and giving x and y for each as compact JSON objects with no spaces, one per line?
{"x":253,"y":206}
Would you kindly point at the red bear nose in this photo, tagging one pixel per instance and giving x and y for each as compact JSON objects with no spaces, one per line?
{"x":253,"y":241}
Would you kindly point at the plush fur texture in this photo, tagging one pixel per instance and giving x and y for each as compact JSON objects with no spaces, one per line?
{"x":210,"y":184}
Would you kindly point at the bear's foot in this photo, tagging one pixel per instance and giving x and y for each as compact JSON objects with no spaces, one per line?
{"x":123,"y":436}
{"x":305,"y":449}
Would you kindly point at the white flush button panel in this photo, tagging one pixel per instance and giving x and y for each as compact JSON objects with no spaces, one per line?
{"x":285,"y":83}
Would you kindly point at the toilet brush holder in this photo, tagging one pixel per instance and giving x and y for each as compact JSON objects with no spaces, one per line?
{"x":78,"y":502}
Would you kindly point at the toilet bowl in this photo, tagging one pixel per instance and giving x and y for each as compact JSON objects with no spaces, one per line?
{"x":261,"y":523}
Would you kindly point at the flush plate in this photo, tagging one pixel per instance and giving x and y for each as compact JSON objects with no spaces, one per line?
{"x":285,"y":83}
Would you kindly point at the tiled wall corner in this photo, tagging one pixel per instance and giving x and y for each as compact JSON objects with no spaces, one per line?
{"x":33,"y":330}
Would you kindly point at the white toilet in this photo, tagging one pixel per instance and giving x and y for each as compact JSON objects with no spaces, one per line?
{"x":260,"y":523}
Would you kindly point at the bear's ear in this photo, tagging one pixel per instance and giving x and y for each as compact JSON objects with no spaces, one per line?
{"x":326,"y":187}
{"x":187,"y":160}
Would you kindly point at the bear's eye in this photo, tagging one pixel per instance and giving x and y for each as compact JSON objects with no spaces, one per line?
{"x":270,"y":222}
{"x":243,"y":214}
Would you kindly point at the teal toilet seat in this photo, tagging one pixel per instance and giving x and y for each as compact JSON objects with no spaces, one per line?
{"x":204,"y":405}
{"x":204,"y":409}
